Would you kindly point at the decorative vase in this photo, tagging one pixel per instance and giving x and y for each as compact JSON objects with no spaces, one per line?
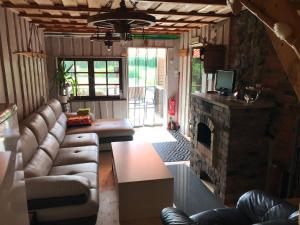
{"x":63,"y":99}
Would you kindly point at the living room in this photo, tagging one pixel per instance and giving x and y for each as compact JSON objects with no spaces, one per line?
{"x":149,"y":112}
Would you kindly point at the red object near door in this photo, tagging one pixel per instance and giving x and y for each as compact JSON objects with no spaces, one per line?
{"x":172,"y":106}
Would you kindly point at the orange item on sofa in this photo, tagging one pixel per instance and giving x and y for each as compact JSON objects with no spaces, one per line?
{"x":79,"y":121}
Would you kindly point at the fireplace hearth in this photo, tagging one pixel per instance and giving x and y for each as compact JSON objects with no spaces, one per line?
{"x":229,"y":143}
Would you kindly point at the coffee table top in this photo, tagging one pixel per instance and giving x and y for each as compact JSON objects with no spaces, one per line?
{"x":136,"y":161}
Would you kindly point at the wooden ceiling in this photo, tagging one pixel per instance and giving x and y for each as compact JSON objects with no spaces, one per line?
{"x":70,"y":16}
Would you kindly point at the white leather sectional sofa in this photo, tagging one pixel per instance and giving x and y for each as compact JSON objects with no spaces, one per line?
{"x":61,"y":169}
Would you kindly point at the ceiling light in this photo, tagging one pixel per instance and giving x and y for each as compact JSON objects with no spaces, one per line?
{"x":122,"y":20}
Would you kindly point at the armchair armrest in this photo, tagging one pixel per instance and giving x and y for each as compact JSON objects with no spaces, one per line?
{"x":173,"y":216}
{"x":278,"y":222}
{"x":53,"y":191}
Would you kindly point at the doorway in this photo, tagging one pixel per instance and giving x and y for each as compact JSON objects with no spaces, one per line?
{"x":146,"y":86}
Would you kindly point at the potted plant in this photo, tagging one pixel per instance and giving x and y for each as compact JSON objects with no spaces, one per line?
{"x":63,"y":80}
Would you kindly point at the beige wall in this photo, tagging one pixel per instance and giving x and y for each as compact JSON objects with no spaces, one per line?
{"x":58,"y":46}
{"x":23,"y":80}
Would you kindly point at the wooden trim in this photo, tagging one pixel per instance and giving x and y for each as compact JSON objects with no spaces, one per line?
{"x":60,"y":7}
{"x":92,"y":84}
{"x":205,"y":2}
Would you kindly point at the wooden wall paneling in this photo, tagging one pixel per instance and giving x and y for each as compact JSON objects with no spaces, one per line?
{"x":96,"y":48}
{"x":27,"y":67}
{"x":104,"y":109}
{"x":67,"y":47}
{"x":43,"y":67}
{"x":86,"y":44}
{"x":15,"y":62}
{"x":78,"y":48}
{"x":35,"y":69}
{"x":117,"y":49}
{"x":31,"y":70}
{"x":2,"y":82}
{"x":6,"y":66}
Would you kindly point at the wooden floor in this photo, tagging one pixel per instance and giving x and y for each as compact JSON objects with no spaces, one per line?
{"x":108,"y":200}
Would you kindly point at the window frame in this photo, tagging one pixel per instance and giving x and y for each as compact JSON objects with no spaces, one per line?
{"x":91,"y":77}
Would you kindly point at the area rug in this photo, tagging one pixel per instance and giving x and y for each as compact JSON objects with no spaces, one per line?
{"x":179,"y":150}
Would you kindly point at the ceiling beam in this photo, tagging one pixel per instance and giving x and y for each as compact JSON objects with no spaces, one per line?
{"x":61,"y":7}
{"x":89,"y":31}
{"x":206,"y":2}
{"x":153,"y":28}
{"x":41,"y":22}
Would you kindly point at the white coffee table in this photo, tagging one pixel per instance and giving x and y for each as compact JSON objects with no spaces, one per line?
{"x":144,"y":183}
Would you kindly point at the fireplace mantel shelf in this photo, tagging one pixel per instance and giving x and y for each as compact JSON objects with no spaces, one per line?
{"x":232,"y":103}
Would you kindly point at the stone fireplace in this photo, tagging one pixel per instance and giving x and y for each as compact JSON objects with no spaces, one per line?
{"x":229,"y":143}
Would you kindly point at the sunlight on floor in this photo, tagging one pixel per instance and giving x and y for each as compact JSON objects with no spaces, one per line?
{"x":153,"y":135}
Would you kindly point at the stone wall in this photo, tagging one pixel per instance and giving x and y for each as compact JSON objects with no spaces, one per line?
{"x":252,"y":55}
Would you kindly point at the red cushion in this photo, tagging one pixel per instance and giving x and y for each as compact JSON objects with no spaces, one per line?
{"x":79,"y":121}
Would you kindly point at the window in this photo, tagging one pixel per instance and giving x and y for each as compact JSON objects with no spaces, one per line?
{"x":197,"y":64}
{"x":96,"y":78}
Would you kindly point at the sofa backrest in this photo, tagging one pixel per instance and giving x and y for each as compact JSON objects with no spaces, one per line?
{"x":40,"y":138}
{"x":260,"y":207}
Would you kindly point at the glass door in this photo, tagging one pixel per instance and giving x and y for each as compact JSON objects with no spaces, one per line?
{"x":146,"y":74}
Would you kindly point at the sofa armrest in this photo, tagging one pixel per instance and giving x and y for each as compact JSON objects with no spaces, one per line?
{"x":56,"y":186}
{"x":173,"y":216}
{"x":278,"y":222}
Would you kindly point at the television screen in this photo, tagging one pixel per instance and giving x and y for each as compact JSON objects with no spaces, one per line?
{"x":225,"y":79}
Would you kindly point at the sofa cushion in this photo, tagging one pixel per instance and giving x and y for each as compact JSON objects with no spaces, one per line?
{"x":62,"y":120}
{"x":39,"y":165}
{"x":55,"y":106}
{"x":51,"y":146}
{"x":92,"y":177}
{"x":49,"y":116}
{"x":38,"y":126}
{"x":106,"y":128}
{"x":58,"y":132}
{"x":27,"y":144}
{"x":76,"y":140}
{"x":73,"y":169}
{"x":76,"y":155}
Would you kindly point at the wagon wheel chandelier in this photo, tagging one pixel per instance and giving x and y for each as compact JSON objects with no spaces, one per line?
{"x":121,"y":21}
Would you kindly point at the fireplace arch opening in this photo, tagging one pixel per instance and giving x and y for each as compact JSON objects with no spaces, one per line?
{"x":204,"y":135}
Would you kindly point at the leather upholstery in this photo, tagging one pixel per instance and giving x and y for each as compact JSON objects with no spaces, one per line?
{"x":77,"y":155}
{"x":56,"y":186}
{"x":84,"y":139}
{"x":73,"y":211}
{"x":260,"y":207}
{"x":38,"y":126}
{"x":50,"y":145}
{"x":106,"y":128}
{"x":74,"y":169}
{"x":27,"y":144}
{"x":254,"y":207}
{"x":62,"y":182}
{"x":49,"y":116}
{"x":56,"y":107}
{"x":58,"y":132}
{"x":39,"y":165}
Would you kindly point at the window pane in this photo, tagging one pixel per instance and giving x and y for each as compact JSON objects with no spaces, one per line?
{"x":100,"y":66}
{"x":113,"y":78}
{"x":113,"y":90}
{"x":82,"y":66}
{"x":82,"y":90}
{"x":100,"y":78}
{"x":69,"y":64}
{"x":82,"y":78}
{"x":100,"y":90}
{"x":113,"y":66}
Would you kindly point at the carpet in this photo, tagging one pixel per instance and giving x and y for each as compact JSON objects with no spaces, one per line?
{"x":180,"y":150}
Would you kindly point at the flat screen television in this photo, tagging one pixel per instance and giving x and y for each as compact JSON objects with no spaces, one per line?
{"x":225,"y":81}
